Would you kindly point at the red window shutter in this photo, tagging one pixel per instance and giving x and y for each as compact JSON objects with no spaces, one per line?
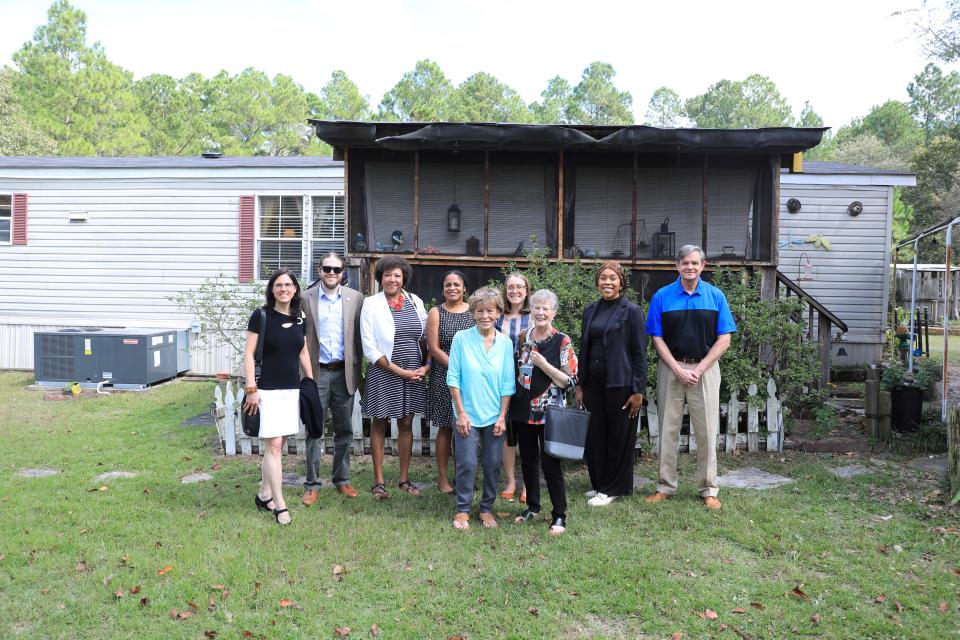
{"x":19,"y":223}
{"x":246,"y":238}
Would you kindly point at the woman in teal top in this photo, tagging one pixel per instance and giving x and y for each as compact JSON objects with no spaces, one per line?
{"x":481,"y":380}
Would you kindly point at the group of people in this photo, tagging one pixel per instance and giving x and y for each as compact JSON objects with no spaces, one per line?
{"x":483,"y":368}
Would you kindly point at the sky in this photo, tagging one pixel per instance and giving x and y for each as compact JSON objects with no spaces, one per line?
{"x":844,"y":56}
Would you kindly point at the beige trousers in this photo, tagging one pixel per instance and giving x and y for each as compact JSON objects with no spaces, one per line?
{"x":703,"y":404}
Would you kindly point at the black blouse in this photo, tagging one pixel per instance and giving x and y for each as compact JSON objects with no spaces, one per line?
{"x":284,"y":339}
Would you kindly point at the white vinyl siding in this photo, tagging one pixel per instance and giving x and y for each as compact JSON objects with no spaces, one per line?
{"x":149,"y":234}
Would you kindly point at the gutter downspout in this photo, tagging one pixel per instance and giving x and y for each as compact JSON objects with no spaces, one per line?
{"x":947,"y":283}
{"x":913,"y":303}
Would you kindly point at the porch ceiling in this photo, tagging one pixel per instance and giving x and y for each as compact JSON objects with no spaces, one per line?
{"x":413,"y":136}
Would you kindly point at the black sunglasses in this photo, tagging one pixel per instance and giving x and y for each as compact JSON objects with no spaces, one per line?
{"x":337,"y":270}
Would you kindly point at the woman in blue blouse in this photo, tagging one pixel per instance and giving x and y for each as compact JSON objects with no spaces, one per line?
{"x":481,"y":379}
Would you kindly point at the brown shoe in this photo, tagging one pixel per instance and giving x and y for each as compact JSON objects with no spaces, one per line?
{"x":348,"y":491}
{"x":710,"y":502}
{"x":657,"y":497}
{"x":310,"y":496}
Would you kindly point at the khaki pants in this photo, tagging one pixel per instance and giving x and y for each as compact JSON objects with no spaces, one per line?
{"x":703,"y":404}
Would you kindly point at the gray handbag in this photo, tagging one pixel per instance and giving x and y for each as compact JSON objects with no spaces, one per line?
{"x":565,"y":431}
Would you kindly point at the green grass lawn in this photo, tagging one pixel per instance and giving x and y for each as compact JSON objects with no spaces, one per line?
{"x":872,"y":557}
{"x":953,"y":349}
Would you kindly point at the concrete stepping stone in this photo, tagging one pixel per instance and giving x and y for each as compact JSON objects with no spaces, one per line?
{"x":200,"y":420}
{"x":295,"y":480}
{"x":640,"y":481}
{"x":752,"y":478}
{"x":38,"y":473}
{"x":110,"y":475}
{"x":850,"y":471}
{"x":193,"y":478}
{"x":936,"y":465}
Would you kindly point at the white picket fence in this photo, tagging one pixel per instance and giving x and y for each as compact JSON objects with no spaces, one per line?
{"x":764,"y":424}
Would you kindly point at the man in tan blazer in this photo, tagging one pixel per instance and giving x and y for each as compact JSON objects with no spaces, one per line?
{"x":333,"y":340}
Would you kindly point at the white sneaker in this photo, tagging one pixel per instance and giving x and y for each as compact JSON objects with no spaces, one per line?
{"x":590,"y":494}
{"x":601,"y":500}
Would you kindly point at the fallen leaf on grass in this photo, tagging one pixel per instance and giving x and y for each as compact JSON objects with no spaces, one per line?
{"x":81,"y":566}
{"x":118,"y":594}
{"x":103,"y":488}
{"x":740,"y":633}
{"x":882,"y":548}
{"x":341,"y":632}
{"x":3,"y":557}
{"x":709,"y":614}
{"x":880,"y":599}
{"x":180,"y":615}
{"x":45,"y":591}
{"x":287,"y":603}
{"x":756,"y":605}
{"x":164,"y":570}
{"x":815,"y":618}
{"x":247,"y":634}
{"x":338,"y":571}
{"x":375,"y":630}
{"x":885,"y":518}
{"x":955,"y":570}
{"x":83,"y":531}
{"x":943,"y":608}
{"x":210,"y":634}
{"x":125,"y":559}
{"x":899,"y":606}
{"x":211,"y":604}
{"x":533,"y":611}
{"x":186,"y":458}
{"x":676,"y":635}
{"x":134,"y":590}
{"x":456,"y":638}
{"x":738,"y":610}
{"x":193,"y":605}
{"x":144,"y":602}
{"x":798,"y":592}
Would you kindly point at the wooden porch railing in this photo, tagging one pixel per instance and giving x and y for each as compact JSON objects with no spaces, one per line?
{"x":825,"y":319}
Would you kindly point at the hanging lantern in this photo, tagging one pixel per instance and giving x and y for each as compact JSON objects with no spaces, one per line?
{"x":804,"y":267}
{"x":453,"y":218}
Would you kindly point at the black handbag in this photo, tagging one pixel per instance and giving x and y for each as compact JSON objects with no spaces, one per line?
{"x":565,"y":432}
{"x":251,"y":422}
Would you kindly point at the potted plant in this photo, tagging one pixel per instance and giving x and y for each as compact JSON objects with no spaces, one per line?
{"x":907,"y":391}
{"x":903,"y":341}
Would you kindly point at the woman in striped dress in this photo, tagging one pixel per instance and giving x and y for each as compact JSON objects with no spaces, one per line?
{"x":443,"y":322}
{"x":391,"y":329}
{"x":514,"y":321}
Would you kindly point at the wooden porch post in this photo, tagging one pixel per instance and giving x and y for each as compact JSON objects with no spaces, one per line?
{"x":416,"y":202}
{"x":823,"y":335}
{"x":560,"y":244}
{"x":486,"y":201}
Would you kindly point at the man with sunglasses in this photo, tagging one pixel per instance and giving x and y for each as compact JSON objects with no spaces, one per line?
{"x":333,"y":340}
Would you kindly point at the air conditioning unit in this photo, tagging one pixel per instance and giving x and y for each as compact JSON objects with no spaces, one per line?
{"x":124,"y":358}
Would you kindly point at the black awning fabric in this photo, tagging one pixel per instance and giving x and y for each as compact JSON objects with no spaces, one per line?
{"x":770,"y":140}
{"x":412,"y":136}
{"x":488,"y":136}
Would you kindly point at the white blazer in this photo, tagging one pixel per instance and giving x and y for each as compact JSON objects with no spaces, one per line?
{"x":376,"y":325}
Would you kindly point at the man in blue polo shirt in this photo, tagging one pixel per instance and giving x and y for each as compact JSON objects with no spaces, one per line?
{"x":690,"y":323}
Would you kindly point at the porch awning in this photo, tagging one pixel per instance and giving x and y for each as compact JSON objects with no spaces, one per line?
{"x":451,"y":136}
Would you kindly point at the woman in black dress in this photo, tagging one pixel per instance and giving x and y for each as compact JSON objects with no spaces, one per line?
{"x":613,"y":374}
{"x":276,"y":394}
{"x":443,"y":322}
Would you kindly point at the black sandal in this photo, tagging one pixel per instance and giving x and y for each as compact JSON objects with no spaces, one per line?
{"x":560,"y":522}
{"x":263,"y":505}
{"x":526,"y":516}
{"x":379,"y":491}
{"x":276,"y":514}
{"x":408,"y":487}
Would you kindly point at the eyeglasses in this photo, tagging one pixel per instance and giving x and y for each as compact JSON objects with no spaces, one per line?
{"x":337,"y":270}
{"x":284,"y":285}
{"x":517,"y":287}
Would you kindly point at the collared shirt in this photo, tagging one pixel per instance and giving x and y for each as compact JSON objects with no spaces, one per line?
{"x":689,"y":323}
{"x":329,"y":326}
{"x":483,"y":377}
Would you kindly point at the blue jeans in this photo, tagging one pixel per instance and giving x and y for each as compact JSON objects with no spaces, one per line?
{"x":466,"y":450}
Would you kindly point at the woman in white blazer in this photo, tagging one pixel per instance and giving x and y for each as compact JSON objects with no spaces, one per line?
{"x":391,"y":331}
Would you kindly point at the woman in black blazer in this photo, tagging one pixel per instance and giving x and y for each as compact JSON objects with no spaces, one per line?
{"x":613,"y":374}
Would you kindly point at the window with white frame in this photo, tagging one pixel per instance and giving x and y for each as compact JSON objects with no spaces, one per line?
{"x":297,"y":231}
{"x":6,"y":217}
